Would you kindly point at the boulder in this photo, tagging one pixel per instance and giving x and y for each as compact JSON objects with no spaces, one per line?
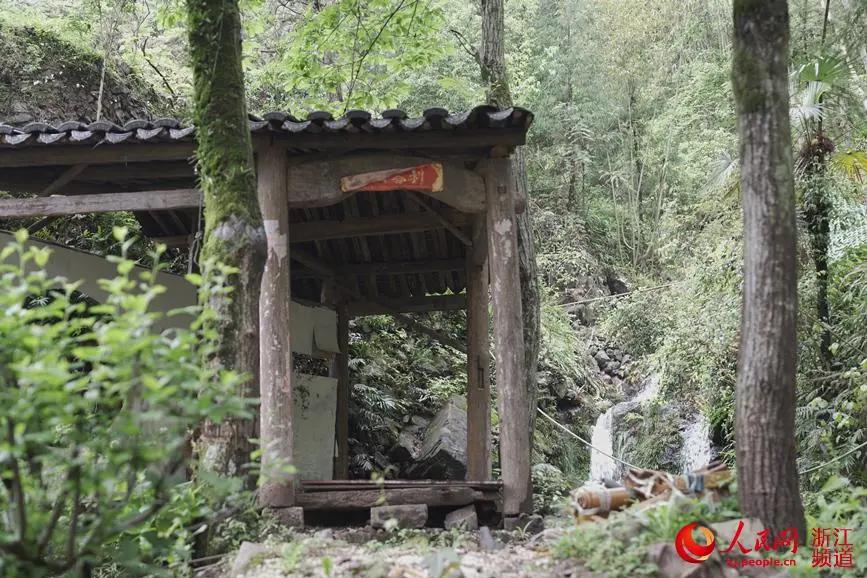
{"x":443,"y":452}
{"x":671,"y":565}
{"x":601,"y":358}
{"x":529,"y":525}
{"x":292,"y":517}
{"x":406,"y":450}
{"x":407,"y":516}
{"x":463,"y":519}
{"x":487,"y":541}
{"x":249,"y":555}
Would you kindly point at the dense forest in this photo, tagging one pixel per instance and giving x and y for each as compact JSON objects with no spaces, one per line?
{"x":639,"y":186}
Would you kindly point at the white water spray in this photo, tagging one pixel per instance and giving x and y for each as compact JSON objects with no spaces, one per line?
{"x":696,"y":452}
{"x":602,"y":466}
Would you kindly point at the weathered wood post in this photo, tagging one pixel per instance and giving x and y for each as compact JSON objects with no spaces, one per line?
{"x":275,"y":369}
{"x":340,"y":370}
{"x":478,"y":356}
{"x":508,"y":338}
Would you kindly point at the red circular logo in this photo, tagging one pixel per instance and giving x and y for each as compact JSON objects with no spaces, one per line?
{"x":690,"y":550}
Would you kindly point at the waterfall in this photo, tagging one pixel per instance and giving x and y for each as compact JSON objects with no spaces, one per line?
{"x":602,"y":466}
{"x":696,"y":452}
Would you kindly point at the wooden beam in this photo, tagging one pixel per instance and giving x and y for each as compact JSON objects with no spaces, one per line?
{"x":104,"y":203}
{"x":384,"y":306}
{"x":446,"y":222}
{"x":36,"y":156}
{"x":478,"y":358}
{"x":340,"y":370}
{"x":276,"y":488}
{"x":387,"y":268}
{"x":482,"y":139}
{"x":343,"y":500}
{"x":508,"y":339}
{"x":319,"y":182}
{"x":328,"y":273}
{"x":367,"y":226}
{"x":67,"y":176}
{"x":174,"y":241}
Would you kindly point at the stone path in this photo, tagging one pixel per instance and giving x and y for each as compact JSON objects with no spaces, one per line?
{"x":427,"y":553}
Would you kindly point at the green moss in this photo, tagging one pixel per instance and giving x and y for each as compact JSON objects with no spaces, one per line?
{"x":224,"y":152}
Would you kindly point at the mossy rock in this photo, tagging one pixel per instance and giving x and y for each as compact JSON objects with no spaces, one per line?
{"x":48,"y":79}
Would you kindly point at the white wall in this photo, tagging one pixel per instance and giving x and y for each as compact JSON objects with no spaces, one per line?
{"x":313,"y":331}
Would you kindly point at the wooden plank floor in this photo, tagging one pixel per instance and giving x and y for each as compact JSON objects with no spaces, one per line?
{"x":342,"y":495}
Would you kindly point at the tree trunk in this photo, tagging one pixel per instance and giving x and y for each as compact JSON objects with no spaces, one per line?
{"x":765,"y":399}
{"x":234,"y":234}
{"x":493,"y":64}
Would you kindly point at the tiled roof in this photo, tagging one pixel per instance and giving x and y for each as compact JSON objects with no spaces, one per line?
{"x":318,"y":122}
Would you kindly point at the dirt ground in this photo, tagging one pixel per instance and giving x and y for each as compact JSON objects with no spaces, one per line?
{"x":426,"y":553}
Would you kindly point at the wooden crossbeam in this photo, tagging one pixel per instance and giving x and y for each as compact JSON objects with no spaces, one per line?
{"x":366,"y":226}
{"x":387,"y":268}
{"x":384,"y":306}
{"x":328,"y":273}
{"x":444,"y":219}
{"x":101,"y":155}
{"x":104,"y":203}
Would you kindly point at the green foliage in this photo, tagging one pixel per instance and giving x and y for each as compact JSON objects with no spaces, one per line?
{"x":650,"y":437}
{"x":397,"y":373}
{"x":550,"y":488}
{"x":836,"y":505}
{"x":97,"y":411}
{"x":617,"y":547}
{"x":353,"y":54}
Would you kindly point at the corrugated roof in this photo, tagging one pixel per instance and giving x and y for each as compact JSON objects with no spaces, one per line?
{"x":317,"y":122}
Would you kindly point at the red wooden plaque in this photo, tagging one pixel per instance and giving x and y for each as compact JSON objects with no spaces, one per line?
{"x":428,"y":178}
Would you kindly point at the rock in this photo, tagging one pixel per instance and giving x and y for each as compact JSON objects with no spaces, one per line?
{"x":408,"y":516}
{"x":612,"y":366}
{"x":464,"y":519}
{"x":616,"y":285}
{"x":20,"y":118}
{"x":487,"y":540}
{"x":671,"y":565}
{"x":290,"y":517}
{"x":249,"y":555}
{"x":725,"y":533}
{"x":616,"y":354}
{"x":405,"y":452}
{"x":529,"y":525}
{"x":626,"y":358}
{"x":601,"y":358}
{"x":443,"y":452}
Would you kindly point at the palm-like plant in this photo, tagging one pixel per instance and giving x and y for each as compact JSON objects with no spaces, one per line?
{"x":820,"y":87}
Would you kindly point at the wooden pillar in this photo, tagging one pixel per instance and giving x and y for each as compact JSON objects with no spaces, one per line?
{"x":508,"y":338}
{"x":478,"y":357}
{"x":340,"y":370}
{"x":275,"y":354}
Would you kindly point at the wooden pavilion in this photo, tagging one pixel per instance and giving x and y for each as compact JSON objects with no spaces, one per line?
{"x":377,"y":215}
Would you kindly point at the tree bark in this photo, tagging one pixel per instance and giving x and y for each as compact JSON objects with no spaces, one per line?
{"x":234,"y":234}
{"x":492,"y":59}
{"x":765,"y":397}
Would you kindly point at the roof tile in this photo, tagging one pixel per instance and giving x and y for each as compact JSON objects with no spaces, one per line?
{"x":353,"y":122}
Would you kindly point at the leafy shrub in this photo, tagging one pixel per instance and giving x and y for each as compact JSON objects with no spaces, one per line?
{"x":837,"y":505}
{"x":617,"y":547}
{"x":97,"y":412}
{"x":550,"y":487}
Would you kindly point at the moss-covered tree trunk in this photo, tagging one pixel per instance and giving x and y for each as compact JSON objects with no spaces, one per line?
{"x":493,"y":64}
{"x":765,"y":397}
{"x":234,"y":234}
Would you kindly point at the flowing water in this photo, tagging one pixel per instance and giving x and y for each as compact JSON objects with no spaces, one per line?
{"x":602,"y":466}
{"x":696,"y":452}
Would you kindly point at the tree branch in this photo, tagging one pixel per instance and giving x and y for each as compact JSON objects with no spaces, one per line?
{"x":467,"y":46}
